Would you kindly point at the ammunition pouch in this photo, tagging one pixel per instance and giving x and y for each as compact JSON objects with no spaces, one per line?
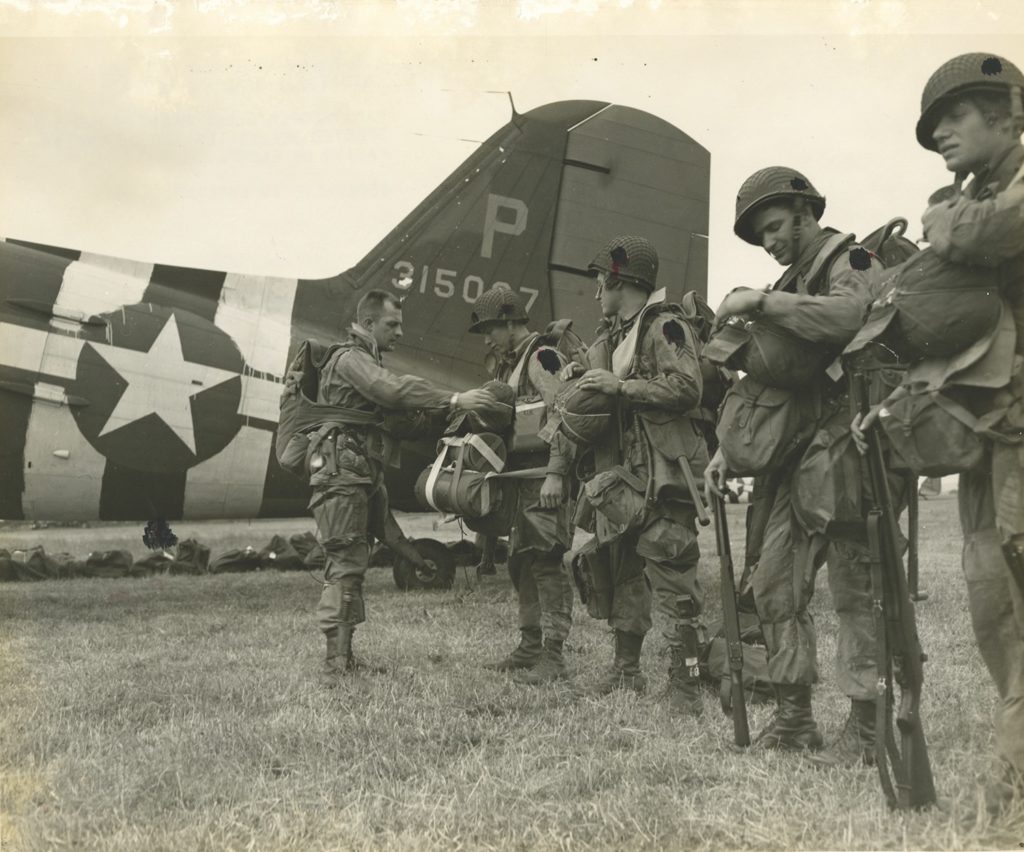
{"x":620,"y":496}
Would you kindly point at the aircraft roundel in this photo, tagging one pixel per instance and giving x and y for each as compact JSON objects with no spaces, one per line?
{"x":163,"y":390}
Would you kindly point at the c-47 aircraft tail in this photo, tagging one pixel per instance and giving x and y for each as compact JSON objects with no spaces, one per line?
{"x":133,"y":390}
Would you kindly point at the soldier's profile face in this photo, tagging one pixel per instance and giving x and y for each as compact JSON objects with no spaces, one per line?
{"x":965,"y":139}
{"x":498,"y":337}
{"x":387,"y":328}
{"x":774,"y":226}
{"x":610,"y":297}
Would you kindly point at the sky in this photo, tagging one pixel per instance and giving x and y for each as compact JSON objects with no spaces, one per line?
{"x":287,"y":138}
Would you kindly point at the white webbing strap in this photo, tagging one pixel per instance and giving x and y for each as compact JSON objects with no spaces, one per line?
{"x":622,"y":357}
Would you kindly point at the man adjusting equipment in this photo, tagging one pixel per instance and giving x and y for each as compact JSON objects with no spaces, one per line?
{"x":637,"y":499}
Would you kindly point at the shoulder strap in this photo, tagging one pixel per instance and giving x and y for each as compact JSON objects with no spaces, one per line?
{"x":829,"y":252}
{"x":517,"y":374}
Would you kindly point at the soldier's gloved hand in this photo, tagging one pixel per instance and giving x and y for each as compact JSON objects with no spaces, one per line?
{"x":476,"y":399}
{"x":552,"y":492}
{"x":602,"y":381}
{"x":715,"y":474}
{"x":570,"y":371}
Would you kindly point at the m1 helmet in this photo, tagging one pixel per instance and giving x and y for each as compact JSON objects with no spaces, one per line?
{"x":969,"y":72}
{"x":499,"y":304}
{"x":771,"y":184}
{"x":630,"y":259}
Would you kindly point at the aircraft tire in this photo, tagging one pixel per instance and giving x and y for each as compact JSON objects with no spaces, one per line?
{"x":439,"y":572}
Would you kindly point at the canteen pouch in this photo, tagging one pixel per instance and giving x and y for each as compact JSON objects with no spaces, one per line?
{"x":932,"y":434}
{"x":761,"y":426}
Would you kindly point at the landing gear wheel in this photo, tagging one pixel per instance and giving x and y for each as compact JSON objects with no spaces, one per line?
{"x":436,"y":572}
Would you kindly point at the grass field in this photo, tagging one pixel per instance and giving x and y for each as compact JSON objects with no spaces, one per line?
{"x":184,"y":713}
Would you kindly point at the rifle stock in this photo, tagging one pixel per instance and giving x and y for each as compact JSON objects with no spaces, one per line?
{"x":904,"y":768}
{"x":731,"y":623}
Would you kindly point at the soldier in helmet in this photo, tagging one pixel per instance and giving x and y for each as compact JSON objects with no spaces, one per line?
{"x":349,"y":500}
{"x":972,"y":116}
{"x":541,"y":531}
{"x":820,"y":298}
{"x":645,"y":357}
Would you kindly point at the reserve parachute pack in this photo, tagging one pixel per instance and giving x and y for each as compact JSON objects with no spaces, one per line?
{"x":583,"y":415}
{"x":769,"y":414}
{"x":301,"y":416}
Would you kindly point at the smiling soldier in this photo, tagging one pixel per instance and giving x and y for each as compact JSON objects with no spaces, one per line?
{"x":818,"y":304}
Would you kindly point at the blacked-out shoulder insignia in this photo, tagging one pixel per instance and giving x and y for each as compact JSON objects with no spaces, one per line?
{"x":860,"y":259}
{"x":674,"y":333}
{"x":549,"y":360}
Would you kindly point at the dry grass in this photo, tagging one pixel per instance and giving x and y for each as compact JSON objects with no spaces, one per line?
{"x":183,"y":713}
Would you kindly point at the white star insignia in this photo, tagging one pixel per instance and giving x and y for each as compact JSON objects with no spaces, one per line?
{"x":160,"y":382}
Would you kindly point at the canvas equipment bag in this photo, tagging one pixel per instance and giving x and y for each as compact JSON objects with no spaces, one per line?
{"x":280,"y":555}
{"x":458,"y":481}
{"x":236,"y":560}
{"x":760,"y":426}
{"x":932,"y":434}
{"x":714,"y":662}
{"x":619,"y":495}
{"x":108,"y":563}
{"x":930,"y":307}
{"x":301,"y":415}
{"x":192,"y":557}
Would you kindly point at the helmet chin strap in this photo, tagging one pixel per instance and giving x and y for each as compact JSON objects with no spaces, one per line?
{"x":798,"y":224}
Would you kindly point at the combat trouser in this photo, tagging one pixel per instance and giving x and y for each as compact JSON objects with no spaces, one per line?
{"x":345,"y":513}
{"x":783,"y":583}
{"x":990,"y":515}
{"x":660,"y":561}
{"x":537,"y":541}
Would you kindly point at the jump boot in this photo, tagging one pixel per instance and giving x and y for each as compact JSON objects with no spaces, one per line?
{"x":625,"y":670}
{"x":355,"y":664}
{"x":684,"y":698}
{"x":339,"y":646}
{"x":793,"y":727}
{"x":856,"y":743}
{"x":525,"y":656}
{"x":550,"y":668}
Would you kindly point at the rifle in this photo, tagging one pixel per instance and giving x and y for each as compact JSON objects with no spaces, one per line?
{"x":903,"y":768}
{"x":731,"y":623}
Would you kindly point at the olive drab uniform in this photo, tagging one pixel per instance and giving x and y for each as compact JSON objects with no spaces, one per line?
{"x":654,"y":354}
{"x":350,"y":502}
{"x":821,"y":298}
{"x":539,"y":536}
{"x":984,"y":226}
{"x":827,"y":311}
